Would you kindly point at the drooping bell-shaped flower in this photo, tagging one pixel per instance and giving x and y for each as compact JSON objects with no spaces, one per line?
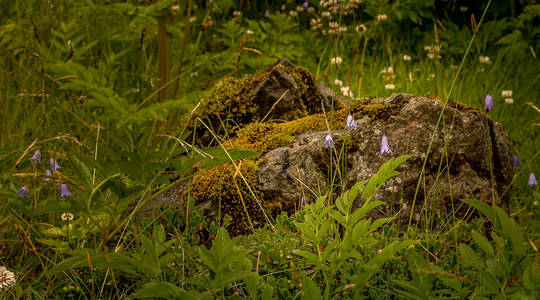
{"x":54,"y":164}
{"x":328,"y":141}
{"x":350,"y":123}
{"x":385,"y":147}
{"x":488,"y":103}
{"x":305,"y":5}
{"x":64,"y":191}
{"x":532,"y":180}
{"x":47,"y":172}
{"x":515,"y":162}
{"x":23,"y":192}
{"x":36,"y":157}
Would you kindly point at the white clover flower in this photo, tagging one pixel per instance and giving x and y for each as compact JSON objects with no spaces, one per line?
{"x":293,"y":13}
{"x":326,"y":14}
{"x":299,"y":8}
{"x":484,"y":59}
{"x":338,"y":82}
{"x":237,"y":13}
{"x":311,"y":9}
{"x":333,"y":24}
{"x":507,"y":93}
{"x":175,"y":9}
{"x":382,"y":17}
{"x":361,"y":28}
{"x":192,"y":19}
{"x":343,"y":29}
{"x":406,"y":57}
{"x":346,"y":91}
{"x":7,"y":278}
{"x":249,"y":31}
{"x":509,"y":100}
{"x":431,"y":76}
{"x":67,"y":217}
{"x":336,"y":60}
{"x":390,"y":86}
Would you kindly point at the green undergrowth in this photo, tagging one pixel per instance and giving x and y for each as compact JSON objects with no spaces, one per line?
{"x":79,"y":81}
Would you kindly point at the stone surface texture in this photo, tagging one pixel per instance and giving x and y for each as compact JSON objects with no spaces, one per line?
{"x":477,"y":163}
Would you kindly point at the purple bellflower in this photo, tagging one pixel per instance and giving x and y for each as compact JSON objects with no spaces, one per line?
{"x":267,"y":13}
{"x":385,"y":147}
{"x":47,"y":172}
{"x":350,"y":123}
{"x":515,"y":162}
{"x":64,"y":191}
{"x":36,"y":157}
{"x":488,"y":103}
{"x":328,"y":141}
{"x":54,"y":164}
{"x":532,"y":180}
{"x":305,"y":5}
{"x":23,"y":192}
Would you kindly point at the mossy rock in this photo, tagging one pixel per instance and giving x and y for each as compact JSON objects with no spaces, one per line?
{"x":283,"y":92}
{"x":215,"y":188}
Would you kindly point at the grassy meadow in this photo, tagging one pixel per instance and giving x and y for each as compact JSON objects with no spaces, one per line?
{"x":92,"y":95}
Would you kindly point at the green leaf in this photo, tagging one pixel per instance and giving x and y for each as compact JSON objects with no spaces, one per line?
{"x":338,"y":217}
{"x":312,"y":258}
{"x":470,"y":257}
{"x":378,"y":223}
{"x":386,"y":171}
{"x":267,"y":292}
{"x":483,"y":243}
{"x":362,"y":211}
{"x":310,"y":291}
{"x":307,"y":231}
{"x":167,"y":290}
{"x":482,"y":207}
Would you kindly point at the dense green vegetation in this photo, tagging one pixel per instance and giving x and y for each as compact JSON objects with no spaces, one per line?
{"x":100,"y":87}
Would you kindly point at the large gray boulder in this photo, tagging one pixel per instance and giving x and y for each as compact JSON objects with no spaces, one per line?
{"x":470,"y":157}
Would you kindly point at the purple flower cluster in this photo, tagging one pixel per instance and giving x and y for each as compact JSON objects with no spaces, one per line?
{"x":23,"y":192}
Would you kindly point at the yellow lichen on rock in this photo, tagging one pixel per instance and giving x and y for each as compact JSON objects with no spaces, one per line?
{"x":264,"y":137}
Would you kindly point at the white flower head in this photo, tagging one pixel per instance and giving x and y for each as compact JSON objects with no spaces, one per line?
{"x":336,"y":60}
{"x":67,"y":217}
{"x":346,"y":91}
{"x":326,"y":14}
{"x":7,"y":278}
{"x":484,"y":59}
{"x":507,"y":93}
{"x":249,"y":31}
{"x":338,"y":82}
{"x":192,"y":19}
{"x":390,"y":86}
{"x":382,"y":17}
{"x":431,"y":76}
{"x":361,"y":28}
{"x":293,"y":13}
{"x":406,"y":57}
{"x":509,"y":100}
